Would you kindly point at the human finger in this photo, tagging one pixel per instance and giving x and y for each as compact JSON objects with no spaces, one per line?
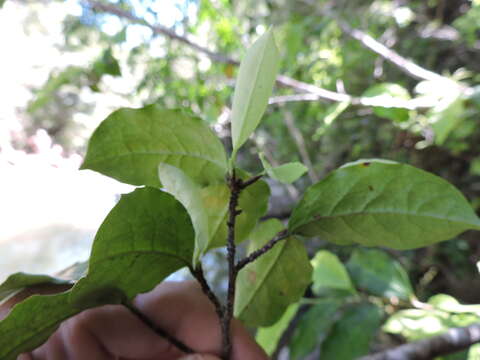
{"x":102,"y":334}
{"x":185,"y":312}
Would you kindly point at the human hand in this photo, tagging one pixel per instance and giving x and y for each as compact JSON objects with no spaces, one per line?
{"x":113,"y":332}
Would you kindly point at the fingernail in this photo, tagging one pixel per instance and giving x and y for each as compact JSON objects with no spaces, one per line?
{"x":199,"y":357}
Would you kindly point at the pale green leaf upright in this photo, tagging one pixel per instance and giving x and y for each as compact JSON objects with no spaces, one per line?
{"x":278,"y":278}
{"x":255,"y":80}
{"x":253,"y":202}
{"x":208,"y":207}
{"x":383,"y":203}
{"x":130,"y":143}
{"x":185,"y":190}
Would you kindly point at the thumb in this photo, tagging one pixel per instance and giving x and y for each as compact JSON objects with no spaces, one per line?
{"x":199,"y":357}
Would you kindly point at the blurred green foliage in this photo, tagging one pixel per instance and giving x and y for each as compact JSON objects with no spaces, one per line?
{"x":443,"y":137}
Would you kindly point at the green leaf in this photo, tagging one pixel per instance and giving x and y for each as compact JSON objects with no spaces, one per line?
{"x":19,"y":281}
{"x":31,"y":323}
{"x":330,"y":276}
{"x":268,"y":337}
{"x":383,"y":203}
{"x":208,"y":207}
{"x":253,"y":202}
{"x":147,"y":236}
{"x":1,"y":3}
{"x":379,"y":274}
{"x":313,"y":328}
{"x":130,"y":143}
{"x":255,"y":80}
{"x":388,"y":93}
{"x":278,"y":278}
{"x":286,"y":173}
{"x":446,"y":116}
{"x":352,"y":334}
{"x":191,"y":196}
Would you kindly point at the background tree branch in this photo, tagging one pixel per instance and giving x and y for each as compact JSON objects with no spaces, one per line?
{"x":454,"y":340}
{"x":311,"y":92}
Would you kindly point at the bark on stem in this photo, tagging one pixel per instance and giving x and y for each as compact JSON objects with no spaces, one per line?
{"x":256,"y":254}
{"x":236,"y":185}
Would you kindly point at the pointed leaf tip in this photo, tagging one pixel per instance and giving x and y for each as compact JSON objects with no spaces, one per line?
{"x":256,"y":77}
{"x":382,"y":203}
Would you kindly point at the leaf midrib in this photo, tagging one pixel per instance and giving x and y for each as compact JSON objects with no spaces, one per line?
{"x":253,"y":85}
{"x":108,"y":158}
{"x":356,"y":213}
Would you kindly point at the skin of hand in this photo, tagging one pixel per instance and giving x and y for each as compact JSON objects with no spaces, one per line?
{"x":112,"y":332}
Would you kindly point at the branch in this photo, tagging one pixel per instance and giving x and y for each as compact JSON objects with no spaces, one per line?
{"x":158,"y":29}
{"x":256,"y":254}
{"x":236,"y":186}
{"x":181,"y":346}
{"x":407,"y":66}
{"x":251,"y":181}
{"x":314,"y":93}
{"x":454,"y":340}
{"x":199,"y":275}
{"x":412,"y":104}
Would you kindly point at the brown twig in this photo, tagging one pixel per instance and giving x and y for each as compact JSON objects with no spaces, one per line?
{"x":248,"y":182}
{"x":200,"y":276}
{"x":256,"y":254}
{"x":236,"y":186}
{"x":146,"y":320}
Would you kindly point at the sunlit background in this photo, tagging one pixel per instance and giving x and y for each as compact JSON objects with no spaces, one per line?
{"x":65,"y":65}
